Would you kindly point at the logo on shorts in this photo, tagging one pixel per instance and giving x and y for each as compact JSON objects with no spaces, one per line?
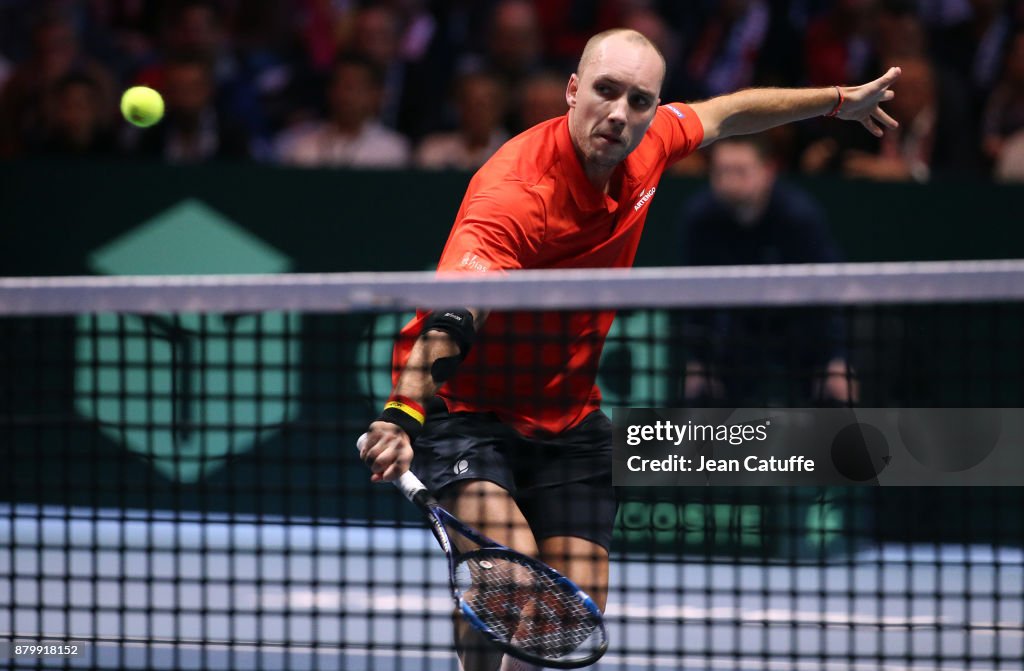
{"x":460,"y":467}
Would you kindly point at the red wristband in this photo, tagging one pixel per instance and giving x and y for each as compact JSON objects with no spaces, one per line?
{"x":839,"y":104}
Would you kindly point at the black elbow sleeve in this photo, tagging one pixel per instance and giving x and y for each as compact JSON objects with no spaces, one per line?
{"x":458,"y":324}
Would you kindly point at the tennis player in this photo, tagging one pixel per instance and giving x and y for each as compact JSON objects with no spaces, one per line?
{"x":499,"y":413}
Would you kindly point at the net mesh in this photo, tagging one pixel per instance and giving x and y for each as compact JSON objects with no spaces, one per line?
{"x":181,"y":490}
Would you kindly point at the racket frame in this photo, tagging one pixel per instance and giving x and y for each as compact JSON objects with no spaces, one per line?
{"x":439,"y":520}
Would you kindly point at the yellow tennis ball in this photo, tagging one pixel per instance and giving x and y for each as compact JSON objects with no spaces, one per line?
{"x":142,"y":106}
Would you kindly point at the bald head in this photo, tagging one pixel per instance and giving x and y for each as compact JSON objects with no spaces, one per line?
{"x":613,"y":98}
{"x":597,"y":44}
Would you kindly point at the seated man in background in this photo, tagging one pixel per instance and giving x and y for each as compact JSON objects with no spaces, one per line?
{"x":480,"y":102}
{"x":352,"y":135}
{"x":543,"y":98}
{"x":76,"y":122}
{"x":744,"y":356}
{"x":195,"y":130}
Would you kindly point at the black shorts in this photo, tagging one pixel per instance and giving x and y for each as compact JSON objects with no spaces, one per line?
{"x":562,"y":484}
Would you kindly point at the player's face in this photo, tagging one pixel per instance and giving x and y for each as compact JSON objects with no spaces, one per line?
{"x":613,"y":100}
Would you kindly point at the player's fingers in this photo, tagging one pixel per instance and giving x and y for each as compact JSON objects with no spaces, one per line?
{"x":395,"y":453}
{"x":891,"y":75}
{"x":383,"y":462}
{"x":373,"y":438}
{"x":394,"y":471}
{"x":366,"y":443}
{"x":872,"y":127}
{"x":883,"y":118}
{"x":373,"y":454}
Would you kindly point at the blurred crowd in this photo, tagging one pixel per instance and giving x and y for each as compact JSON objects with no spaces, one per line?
{"x":442,"y":83}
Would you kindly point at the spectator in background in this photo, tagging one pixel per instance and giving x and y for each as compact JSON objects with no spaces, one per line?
{"x":940,"y":14}
{"x":740,"y":44}
{"x":428,"y":60}
{"x":566,"y":25}
{"x":837,"y":44}
{"x":933,"y":137}
{"x":399,"y":38}
{"x":77,"y":123}
{"x":543,"y":98}
{"x":481,"y":103}
{"x":515,"y":47}
{"x":193,"y":130}
{"x":376,"y":36}
{"x":353,"y":135}
{"x":649,"y":24}
{"x":973,"y":48}
{"x":319,"y":26}
{"x":195,"y":29}
{"x":740,"y":356}
{"x":5,"y":71}
{"x":724,"y":55}
{"x":124,"y":31}
{"x":1004,"y":111}
{"x":514,"y":51}
{"x":269,"y":57}
{"x":1010,"y":164}
{"x":899,"y":32}
{"x":56,"y":53}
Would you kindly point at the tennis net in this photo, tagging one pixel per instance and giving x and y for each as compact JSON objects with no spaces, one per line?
{"x":181,"y":489}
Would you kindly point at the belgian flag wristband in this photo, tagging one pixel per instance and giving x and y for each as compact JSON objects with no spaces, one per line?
{"x":406,"y":414}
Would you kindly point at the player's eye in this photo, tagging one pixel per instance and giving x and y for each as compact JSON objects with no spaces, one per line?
{"x":640,"y":102}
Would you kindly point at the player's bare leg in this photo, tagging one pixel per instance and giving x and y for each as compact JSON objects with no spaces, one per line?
{"x":488,"y":508}
{"x":583,"y":562}
{"x":580,"y":560}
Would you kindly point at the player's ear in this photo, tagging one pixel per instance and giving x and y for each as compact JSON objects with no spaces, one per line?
{"x":572,"y":89}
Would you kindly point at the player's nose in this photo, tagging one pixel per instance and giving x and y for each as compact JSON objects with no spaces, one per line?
{"x":618,"y":112}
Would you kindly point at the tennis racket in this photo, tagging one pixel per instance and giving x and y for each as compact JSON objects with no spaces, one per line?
{"x":521,"y":605}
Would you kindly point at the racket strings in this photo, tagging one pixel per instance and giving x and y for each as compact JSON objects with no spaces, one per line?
{"x":526,"y":607}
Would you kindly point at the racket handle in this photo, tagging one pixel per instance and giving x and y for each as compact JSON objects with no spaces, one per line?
{"x":408,"y":483}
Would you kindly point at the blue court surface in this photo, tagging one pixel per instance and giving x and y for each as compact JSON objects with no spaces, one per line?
{"x":189,"y":593}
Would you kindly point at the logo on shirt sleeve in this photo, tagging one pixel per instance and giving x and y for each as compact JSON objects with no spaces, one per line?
{"x":677,"y":112}
{"x":474,"y":262}
{"x":643,"y":199}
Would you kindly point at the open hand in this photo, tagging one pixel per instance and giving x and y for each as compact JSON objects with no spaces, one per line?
{"x":863,"y":103}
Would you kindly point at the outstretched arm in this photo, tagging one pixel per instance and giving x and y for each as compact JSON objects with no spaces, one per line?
{"x":756,"y":110}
